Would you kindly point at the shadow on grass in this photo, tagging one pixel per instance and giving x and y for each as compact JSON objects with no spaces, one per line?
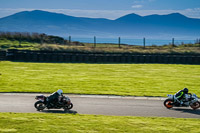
{"x":191,"y":111}
{"x":60,"y":111}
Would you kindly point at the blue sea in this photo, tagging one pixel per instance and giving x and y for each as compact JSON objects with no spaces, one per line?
{"x":148,"y":42}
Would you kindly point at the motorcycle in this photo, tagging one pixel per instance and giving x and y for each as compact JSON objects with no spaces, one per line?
{"x":190,"y":100}
{"x":63,"y":102}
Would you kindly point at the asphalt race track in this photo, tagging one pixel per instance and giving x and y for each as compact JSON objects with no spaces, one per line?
{"x":99,"y":105}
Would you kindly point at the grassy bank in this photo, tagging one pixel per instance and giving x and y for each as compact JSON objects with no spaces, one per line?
{"x":115,"y":79}
{"x":101,"y":47}
{"x":10,"y":44}
{"x":62,"y":123}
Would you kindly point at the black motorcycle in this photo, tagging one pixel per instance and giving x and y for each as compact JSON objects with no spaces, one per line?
{"x":63,"y":102}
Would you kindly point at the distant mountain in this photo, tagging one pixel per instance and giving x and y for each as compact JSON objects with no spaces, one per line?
{"x":131,"y":25}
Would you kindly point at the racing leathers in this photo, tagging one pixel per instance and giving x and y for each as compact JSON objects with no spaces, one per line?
{"x":180,"y":95}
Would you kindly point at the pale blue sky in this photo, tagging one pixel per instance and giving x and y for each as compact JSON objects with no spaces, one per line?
{"x":110,"y":9}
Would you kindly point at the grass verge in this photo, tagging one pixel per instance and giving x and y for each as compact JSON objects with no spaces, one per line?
{"x":62,"y":123}
{"x":114,"y":79}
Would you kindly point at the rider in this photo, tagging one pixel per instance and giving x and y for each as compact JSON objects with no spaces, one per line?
{"x":53,"y":98}
{"x":180,"y":95}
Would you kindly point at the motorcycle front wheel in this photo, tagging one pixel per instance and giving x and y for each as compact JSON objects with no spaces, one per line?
{"x":195,"y":105}
{"x":168,"y":103}
{"x":68,"y":107}
{"x":39,"y":105}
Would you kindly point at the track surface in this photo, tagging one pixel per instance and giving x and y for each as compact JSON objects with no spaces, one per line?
{"x":99,"y":105}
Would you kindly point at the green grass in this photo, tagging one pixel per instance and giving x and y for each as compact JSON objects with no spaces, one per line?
{"x":8,"y":44}
{"x":115,"y":79}
{"x":63,"y":123}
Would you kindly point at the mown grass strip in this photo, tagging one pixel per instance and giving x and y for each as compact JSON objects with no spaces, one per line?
{"x":114,"y":79}
{"x":62,"y":123}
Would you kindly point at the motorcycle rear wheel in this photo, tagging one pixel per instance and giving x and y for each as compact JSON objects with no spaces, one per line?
{"x":168,"y":103}
{"x":39,"y":105}
{"x":195,"y":105}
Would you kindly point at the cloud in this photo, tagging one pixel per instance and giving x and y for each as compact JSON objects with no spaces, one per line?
{"x":137,"y":6}
{"x":194,"y":13}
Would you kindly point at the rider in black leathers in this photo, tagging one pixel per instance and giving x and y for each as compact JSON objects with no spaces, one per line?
{"x":53,"y":98}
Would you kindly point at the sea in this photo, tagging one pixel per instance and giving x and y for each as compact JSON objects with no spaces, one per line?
{"x":139,"y":42}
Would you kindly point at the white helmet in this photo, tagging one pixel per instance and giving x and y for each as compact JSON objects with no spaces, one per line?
{"x":59,"y":91}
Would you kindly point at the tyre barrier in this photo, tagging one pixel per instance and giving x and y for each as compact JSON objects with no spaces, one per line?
{"x":46,"y":56}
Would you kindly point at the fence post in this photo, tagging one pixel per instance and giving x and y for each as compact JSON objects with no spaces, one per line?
{"x":172,"y":42}
{"x":94,"y":41}
{"x":69,"y":39}
{"x":144,"y":42}
{"x":119,"y":40}
{"x":42,"y":39}
{"x":20,"y":39}
{"x":199,"y":41}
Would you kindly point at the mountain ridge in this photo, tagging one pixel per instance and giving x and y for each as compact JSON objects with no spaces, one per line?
{"x":170,"y":25}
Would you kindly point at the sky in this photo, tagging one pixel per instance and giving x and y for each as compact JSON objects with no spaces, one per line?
{"x":110,"y":9}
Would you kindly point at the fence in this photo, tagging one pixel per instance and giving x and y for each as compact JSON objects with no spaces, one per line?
{"x":47,"y":56}
{"x":131,"y":41}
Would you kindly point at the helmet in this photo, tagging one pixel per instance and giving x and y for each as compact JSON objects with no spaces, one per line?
{"x":185,"y":90}
{"x":59,"y":91}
